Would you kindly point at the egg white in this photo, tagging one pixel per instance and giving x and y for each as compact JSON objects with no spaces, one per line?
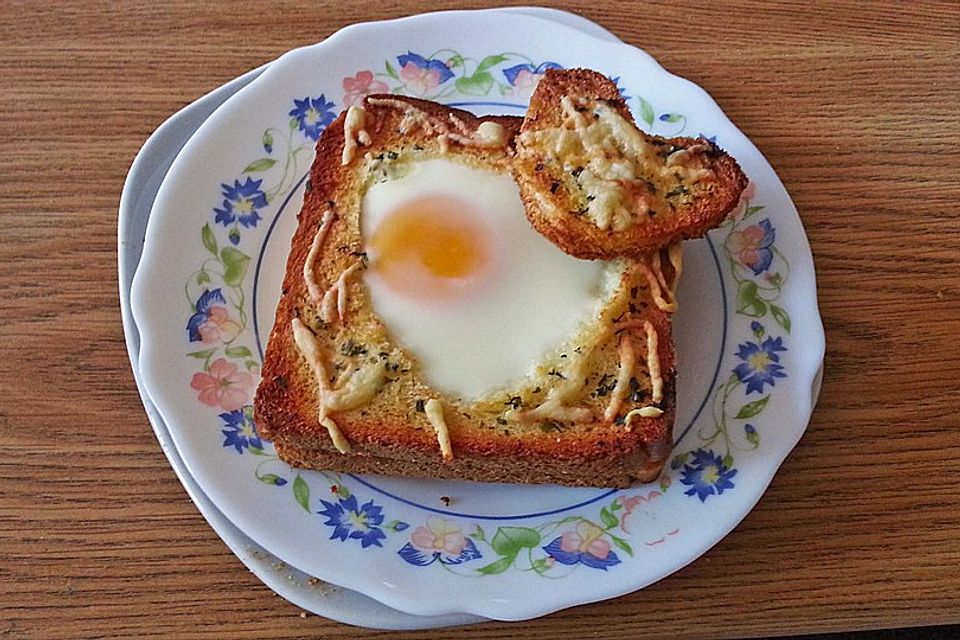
{"x":534,"y":299}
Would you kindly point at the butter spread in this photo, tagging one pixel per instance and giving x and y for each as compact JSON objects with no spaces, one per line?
{"x":434,"y":411}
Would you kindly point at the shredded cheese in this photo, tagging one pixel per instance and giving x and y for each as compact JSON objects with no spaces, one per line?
{"x":434,"y":411}
{"x":337,"y":293}
{"x":642,"y":412}
{"x":353,"y":133}
{"x":627,"y":364}
{"x":309,"y":347}
{"x":313,"y":287}
{"x":339,"y":440}
{"x":487,"y":135}
{"x":617,"y":167}
{"x":653,"y":363}
{"x":360,"y":385}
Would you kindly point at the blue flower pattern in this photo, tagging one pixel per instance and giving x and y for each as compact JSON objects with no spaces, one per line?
{"x":415,"y":556}
{"x":356,"y":522}
{"x":761,"y":363}
{"x":706,"y":475}
{"x":241,"y":203}
{"x":313,"y":115}
{"x":239,"y":431}
{"x":555,"y":551}
{"x":207,"y":299}
{"x":419,"y":61}
{"x":511,"y":73}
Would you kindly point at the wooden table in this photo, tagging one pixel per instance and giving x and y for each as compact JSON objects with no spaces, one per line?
{"x":855,"y":104}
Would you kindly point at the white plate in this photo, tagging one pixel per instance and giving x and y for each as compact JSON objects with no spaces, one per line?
{"x":749,"y":340}
{"x":139,"y":192}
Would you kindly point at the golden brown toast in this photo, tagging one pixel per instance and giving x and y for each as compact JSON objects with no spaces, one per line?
{"x":598,"y":187}
{"x":338,"y":393}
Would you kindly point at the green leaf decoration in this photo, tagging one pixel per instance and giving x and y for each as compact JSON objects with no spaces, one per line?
{"x":671,"y":117}
{"x":664,"y":484}
{"x":455,"y":61}
{"x":479,"y":534}
{"x":753,"y":437}
{"x":210,"y":242}
{"x":391,"y":71}
{"x":759,"y":331}
{"x":202,"y":355}
{"x":257,"y":451}
{"x":302,"y":493}
{"x":540,"y":565}
{"x":250,"y":365}
{"x":616,"y":505}
{"x":508,"y":541}
{"x":203,"y":277}
{"x":342,"y":492}
{"x":294,"y":123}
{"x":748,"y":300}
{"x":271,"y":478}
{"x":235,"y":265}
{"x":646,"y":111}
{"x":498,"y":566}
{"x":490,"y":61}
{"x":752,"y":408}
{"x":754,"y":209}
{"x":238,"y":352}
{"x":267,"y":140}
{"x":259,"y":165}
{"x":781,"y":316}
{"x":728,"y":461}
{"x":479,"y":84}
{"x":609,"y":520}
{"x":620,"y":542}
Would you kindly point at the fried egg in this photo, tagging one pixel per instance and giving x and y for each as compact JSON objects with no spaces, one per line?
{"x":461,"y":280}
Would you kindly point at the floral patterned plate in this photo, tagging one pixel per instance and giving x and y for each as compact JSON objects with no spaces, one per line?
{"x":749,"y":338}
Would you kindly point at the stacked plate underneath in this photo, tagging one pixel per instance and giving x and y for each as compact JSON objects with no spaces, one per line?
{"x":206,"y":217}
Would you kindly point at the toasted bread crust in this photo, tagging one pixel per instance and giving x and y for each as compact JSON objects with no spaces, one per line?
{"x":388,"y":435}
{"x":555,"y":210}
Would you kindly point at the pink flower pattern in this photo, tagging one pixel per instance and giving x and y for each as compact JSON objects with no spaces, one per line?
{"x":360,"y":86}
{"x":218,"y":326}
{"x":223,"y":385}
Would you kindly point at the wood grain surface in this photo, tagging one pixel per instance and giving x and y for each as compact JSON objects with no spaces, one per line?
{"x":856,"y":106}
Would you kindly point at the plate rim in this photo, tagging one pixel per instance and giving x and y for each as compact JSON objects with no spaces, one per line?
{"x":805,"y":256}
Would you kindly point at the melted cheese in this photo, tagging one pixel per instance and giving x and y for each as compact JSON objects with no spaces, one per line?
{"x":663,"y":293}
{"x":309,"y":265}
{"x":614,"y":163}
{"x":642,"y":412}
{"x":653,"y":362}
{"x":310,"y":349}
{"x":434,"y":411}
{"x":487,"y":135}
{"x":627,"y":364}
{"x":333,"y":307}
{"x":359,"y":387}
{"x":339,"y":440}
{"x":353,"y":133}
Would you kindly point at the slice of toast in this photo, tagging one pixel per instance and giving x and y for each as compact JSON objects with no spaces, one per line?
{"x":599,"y":187}
{"x":338,"y":393}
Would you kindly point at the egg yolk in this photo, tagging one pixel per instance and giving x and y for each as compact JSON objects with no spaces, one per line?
{"x":433,"y":246}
